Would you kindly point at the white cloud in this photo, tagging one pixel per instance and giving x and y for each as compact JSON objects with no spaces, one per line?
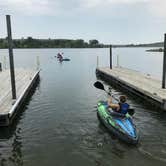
{"x":28,"y":7}
{"x":58,"y":7}
{"x":100,"y":3}
{"x":158,"y":8}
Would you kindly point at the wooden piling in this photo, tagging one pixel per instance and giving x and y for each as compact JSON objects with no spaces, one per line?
{"x":97,"y":61}
{"x":37,"y":63}
{"x":0,"y":66}
{"x":117,"y":60}
{"x":110,"y":56}
{"x":164,"y":65}
{"x":11,"y":59}
{"x":4,"y":62}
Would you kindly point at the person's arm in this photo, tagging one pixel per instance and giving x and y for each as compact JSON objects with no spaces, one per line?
{"x":109,"y":101}
{"x":112,"y":105}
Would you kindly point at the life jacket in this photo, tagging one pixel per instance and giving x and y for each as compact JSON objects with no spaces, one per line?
{"x":59,"y":55}
{"x":123,"y":108}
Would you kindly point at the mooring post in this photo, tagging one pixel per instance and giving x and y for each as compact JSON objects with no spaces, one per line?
{"x":11,"y":60}
{"x":4,"y":62}
{"x":0,"y":66}
{"x":110,"y":56}
{"x":164,"y":64}
{"x":97,"y":61}
{"x":37,"y":62}
{"x":117,"y":60}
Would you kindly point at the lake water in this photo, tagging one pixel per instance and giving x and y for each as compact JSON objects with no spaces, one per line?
{"x":58,"y":125}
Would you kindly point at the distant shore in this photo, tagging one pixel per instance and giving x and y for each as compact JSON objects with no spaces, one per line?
{"x":156,"y":50}
{"x":30,"y":42}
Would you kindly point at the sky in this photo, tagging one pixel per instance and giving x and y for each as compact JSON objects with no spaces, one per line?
{"x":108,"y":21}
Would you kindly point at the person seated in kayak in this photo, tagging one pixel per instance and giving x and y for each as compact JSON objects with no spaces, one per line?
{"x":59,"y":55}
{"x":122,"y":107}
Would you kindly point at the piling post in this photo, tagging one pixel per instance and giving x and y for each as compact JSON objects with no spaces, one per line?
{"x":110,"y":56}
{"x":37,"y":62}
{"x":4,"y":62}
{"x":0,"y":66}
{"x":117,"y":60}
{"x":11,"y":59}
{"x":97,"y":61}
{"x":164,"y":64}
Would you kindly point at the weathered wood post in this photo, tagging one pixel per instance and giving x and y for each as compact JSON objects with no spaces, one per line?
{"x":164,"y":64}
{"x":0,"y":66}
{"x":37,"y":63}
{"x":117,"y":60}
{"x":110,"y":56}
{"x":11,"y":60}
{"x":97,"y":61}
{"x":4,"y":62}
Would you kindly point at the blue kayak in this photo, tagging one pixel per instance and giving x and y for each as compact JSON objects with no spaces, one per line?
{"x":120,"y":125}
{"x":64,"y":59}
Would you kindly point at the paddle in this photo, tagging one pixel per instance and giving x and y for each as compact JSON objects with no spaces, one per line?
{"x":99,"y":85}
{"x":131,"y":111}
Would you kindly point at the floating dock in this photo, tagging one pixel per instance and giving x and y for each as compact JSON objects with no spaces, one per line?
{"x":25,"y":79}
{"x":135,"y":82}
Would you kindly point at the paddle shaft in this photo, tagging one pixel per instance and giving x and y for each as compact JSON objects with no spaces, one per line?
{"x":99,"y":85}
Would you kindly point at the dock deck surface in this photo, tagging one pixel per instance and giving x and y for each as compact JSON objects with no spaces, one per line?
{"x":145,"y":84}
{"x":23,"y":78}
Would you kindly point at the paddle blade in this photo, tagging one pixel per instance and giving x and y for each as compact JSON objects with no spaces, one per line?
{"x":131,"y":111}
{"x":99,"y":85}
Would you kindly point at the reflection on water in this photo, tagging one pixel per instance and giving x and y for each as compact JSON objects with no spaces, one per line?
{"x":10,"y":145}
{"x":58,"y":124}
{"x":11,"y":138}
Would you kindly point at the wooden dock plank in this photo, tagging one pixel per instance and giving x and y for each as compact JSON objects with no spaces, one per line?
{"x":6,"y":88}
{"x":23,"y":78}
{"x":145,"y":84}
{"x":6,"y":103}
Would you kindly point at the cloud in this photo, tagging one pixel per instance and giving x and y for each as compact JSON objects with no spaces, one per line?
{"x":65,"y":7}
{"x":99,"y":3}
{"x":28,"y":7}
{"x":157,"y":8}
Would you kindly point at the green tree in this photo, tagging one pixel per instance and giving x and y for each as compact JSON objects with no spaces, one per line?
{"x":93,"y":43}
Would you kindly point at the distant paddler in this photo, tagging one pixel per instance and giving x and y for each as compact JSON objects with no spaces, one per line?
{"x":60,"y":56}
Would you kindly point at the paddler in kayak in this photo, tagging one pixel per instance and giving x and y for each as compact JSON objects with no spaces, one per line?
{"x":60,"y":56}
{"x":122,"y":107}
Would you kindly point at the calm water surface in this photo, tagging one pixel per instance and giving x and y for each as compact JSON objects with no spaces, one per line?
{"x":58,"y":125}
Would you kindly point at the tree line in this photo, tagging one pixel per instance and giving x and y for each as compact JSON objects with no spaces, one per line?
{"x":30,"y":42}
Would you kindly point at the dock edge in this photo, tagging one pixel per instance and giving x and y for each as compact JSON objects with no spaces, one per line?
{"x":7,"y":119}
{"x":158,"y":103}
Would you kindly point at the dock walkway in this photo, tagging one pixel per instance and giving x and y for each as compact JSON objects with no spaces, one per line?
{"x":25,"y":78}
{"x":140,"y":84}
